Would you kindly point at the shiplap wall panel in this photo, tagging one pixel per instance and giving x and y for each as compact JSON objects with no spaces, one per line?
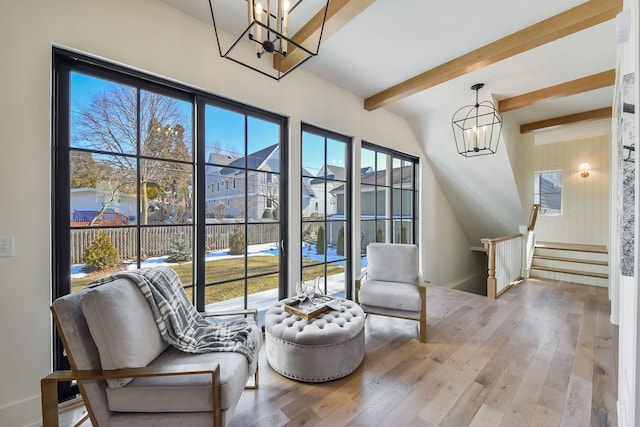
{"x":585,"y":214}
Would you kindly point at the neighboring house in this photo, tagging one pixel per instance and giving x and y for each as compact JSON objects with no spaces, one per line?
{"x":550,"y":196}
{"x":226,"y":180}
{"x":309,"y":196}
{"x":326,"y":175}
{"x":378,"y":197}
{"x":86,"y":203}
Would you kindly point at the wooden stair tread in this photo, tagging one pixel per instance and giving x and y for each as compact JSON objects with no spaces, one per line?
{"x":582,"y":261}
{"x":572,"y":247}
{"x":566,"y":271}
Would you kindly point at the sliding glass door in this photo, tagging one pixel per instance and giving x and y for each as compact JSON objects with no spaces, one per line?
{"x":243,"y":200}
{"x":147,"y":172}
{"x":128,"y":192}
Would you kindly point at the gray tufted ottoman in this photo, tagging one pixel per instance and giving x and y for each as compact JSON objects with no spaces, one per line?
{"x":328,"y":347}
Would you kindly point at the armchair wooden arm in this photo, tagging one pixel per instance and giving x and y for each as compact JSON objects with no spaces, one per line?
{"x":358,"y":282}
{"x":49,"y":384}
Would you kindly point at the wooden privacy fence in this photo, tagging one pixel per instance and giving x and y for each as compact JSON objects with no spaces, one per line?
{"x":156,"y":241}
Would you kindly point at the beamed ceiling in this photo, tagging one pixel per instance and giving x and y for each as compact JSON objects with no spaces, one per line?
{"x":551,"y":63}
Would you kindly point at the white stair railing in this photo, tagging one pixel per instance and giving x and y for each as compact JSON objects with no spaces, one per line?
{"x":504,"y":263}
{"x":510,"y":257}
{"x":528,"y":250}
{"x":529,"y":233}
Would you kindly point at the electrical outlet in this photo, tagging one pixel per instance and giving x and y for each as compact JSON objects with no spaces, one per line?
{"x":7,"y":246}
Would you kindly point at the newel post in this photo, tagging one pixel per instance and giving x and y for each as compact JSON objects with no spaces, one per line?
{"x":490,"y":249}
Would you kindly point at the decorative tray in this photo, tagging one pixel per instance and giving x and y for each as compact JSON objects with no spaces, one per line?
{"x":308,"y":310}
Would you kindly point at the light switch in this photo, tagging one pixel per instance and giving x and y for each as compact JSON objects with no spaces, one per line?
{"x":7,"y":246}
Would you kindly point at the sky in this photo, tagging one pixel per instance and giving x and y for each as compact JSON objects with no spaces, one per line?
{"x":225,"y":128}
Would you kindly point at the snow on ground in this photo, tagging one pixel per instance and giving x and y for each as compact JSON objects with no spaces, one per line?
{"x":266,"y":249}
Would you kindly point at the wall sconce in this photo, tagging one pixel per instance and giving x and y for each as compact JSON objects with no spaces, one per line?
{"x":584,"y":169}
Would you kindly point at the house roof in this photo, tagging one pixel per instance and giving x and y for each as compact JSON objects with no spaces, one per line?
{"x":399,"y":177}
{"x":220,"y":159}
{"x":254,"y":161}
{"x":100,"y":191}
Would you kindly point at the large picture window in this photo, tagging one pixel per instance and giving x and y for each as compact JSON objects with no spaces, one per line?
{"x":388,"y":197}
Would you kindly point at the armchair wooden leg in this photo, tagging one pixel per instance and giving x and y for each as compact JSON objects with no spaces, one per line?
{"x":49,"y":400}
{"x":423,"y":330}
{"x":49,"y":396}
{"x":423,"y":314}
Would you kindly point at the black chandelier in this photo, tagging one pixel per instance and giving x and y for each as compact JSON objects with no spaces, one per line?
{"x":272,"y":37}
{"x":477,"y":127}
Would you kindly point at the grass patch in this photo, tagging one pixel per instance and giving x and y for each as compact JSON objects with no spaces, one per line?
{"x":223,"y":270}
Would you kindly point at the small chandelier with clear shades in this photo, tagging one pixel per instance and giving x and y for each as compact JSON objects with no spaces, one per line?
{"x":272,"y":37}
{"x":477,"y":127}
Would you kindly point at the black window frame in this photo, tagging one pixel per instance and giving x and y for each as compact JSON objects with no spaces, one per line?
{"x":348,"y":233}
{"x":64,"y":63}
{"x":394,"y":154}
{"x":545,"y":198}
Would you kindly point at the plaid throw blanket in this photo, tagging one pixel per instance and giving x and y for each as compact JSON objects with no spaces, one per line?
{"x":179,"y":322}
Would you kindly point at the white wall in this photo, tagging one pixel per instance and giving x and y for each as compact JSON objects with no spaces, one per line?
{"x":521,"y":152}
{"x":151,"y":36}
{"x":481,"y":190}
{"x":446,"y":242}
{"x":625,"y":295}
{"x":625,"y":298}
{"x":585,"y":201}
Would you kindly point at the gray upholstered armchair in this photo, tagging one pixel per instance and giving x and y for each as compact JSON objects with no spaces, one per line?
{"x":129,"y":376}
{"x":391,"y":285}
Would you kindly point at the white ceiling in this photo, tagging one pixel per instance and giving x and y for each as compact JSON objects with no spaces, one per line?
{"x":392,"y":41}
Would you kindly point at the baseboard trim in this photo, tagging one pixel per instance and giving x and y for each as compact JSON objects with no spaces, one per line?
{"x":24,"y":413}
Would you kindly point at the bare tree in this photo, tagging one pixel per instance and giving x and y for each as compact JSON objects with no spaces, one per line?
{"x":108,"y":123}
{"x":84,"y":170}
{"x":267,"y":192}
{"x":102,"y":173}
{"x":219,"y":210}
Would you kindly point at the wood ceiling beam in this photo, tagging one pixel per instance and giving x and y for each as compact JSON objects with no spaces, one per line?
{"x":587,"y":116}
{"x":583,"y":16}
{"x":340,"y":13}
{"x":584,"y":84}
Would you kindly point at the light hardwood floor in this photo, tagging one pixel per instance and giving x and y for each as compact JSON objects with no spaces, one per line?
{"x":543,"y":354}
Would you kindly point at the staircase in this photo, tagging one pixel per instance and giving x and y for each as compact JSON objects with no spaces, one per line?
{"x":585,"y":264}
